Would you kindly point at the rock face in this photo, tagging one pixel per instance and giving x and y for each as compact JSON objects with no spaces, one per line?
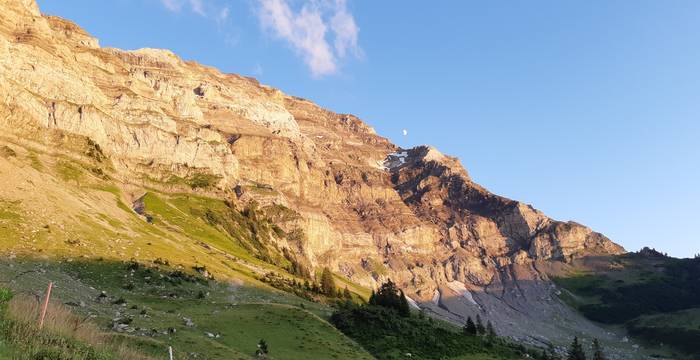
{"x":369,"y":209}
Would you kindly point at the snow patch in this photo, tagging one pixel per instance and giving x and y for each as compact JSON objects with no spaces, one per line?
{"x":461,"y":289}
{"x":436,"y":297}
{"x":412,"y":303}
{"x":395,"y":160}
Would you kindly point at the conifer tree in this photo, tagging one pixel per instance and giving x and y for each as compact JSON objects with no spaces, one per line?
{"x":469,"y":327}
{"x":552,"y":352}
{"x":576,"y":351}
{"x":390,"y":296}
{"x":597,"y":350}
{"x":490,"y":331}
{"x":346,"y":294}
{"x":480,"y":329}
{"x":327,"y":283}
{"x":544,"y":355}
{"x":404,"y":309}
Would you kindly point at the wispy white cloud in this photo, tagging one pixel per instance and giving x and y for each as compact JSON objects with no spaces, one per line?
{"x":172,"y":5}
{"x":308,"y":31}
{"x":322,"y":32}
{"x":197,"y":6}
{"x":346,"y":30}
{"x":223,"y":15}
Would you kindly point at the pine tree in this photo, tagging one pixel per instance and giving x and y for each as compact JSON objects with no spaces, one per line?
{"x":469,"y":327}
{"x":597,"y":350}
{"x":390,"y":296}
{"x":404,"y":309}
{"x":346,"y":294}
{"x":490,"y":331}
{"x":327,"y":283}
{"x":552,"y":352}
{"x":576,"y":351}
{"x":544,"y":355}
{"x":480,"y":329}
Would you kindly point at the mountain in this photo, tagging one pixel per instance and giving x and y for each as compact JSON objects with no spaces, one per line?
{"x":141,"y":155}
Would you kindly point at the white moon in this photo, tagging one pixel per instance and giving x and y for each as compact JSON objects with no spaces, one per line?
{"x":405,"y":132}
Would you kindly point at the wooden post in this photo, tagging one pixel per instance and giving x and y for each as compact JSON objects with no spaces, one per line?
{"x":170,"y":352}
{"x":46,"y":305}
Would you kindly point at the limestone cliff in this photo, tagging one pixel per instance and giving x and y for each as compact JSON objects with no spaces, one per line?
{"x":369,"y":210}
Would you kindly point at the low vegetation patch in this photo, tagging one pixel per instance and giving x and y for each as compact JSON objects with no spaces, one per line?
{"x":645,"y":295}
{"x":388,"y":335}
{"x":63,"y":336}
{"x":388,"y":330}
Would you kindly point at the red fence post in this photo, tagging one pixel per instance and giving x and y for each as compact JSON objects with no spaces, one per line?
{"x":46,"y":305}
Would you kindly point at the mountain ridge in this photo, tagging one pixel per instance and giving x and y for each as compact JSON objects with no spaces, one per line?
{"x":368,"y":209}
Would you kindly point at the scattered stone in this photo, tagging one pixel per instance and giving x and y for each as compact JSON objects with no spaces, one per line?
{"x":120,"y":327}
{"x":188,"y":322}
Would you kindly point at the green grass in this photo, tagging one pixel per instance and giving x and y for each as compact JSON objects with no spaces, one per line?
{"x":194,"y":181}
{"x":64,"y":335}
{"x":674,"y":335}
{"x":474,"y":357}
{"x":82,"y":245}
{"x":177,"y":213}
{"x":159,"y":297}
{"x":656,"y":298}
{"x":10,"y":220}
{"x":35,"y":162}
{"x":580,"y":289}
{"x":9,"y":210}
{"x":5,"y":350}
{"x":685,"y":319}
{"x":291,"y":332}
{"x":69,"y":171}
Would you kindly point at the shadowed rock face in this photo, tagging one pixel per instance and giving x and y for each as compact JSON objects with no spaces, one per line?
{"x":369,"y":210}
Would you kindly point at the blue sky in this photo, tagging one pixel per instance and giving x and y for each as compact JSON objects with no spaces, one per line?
{"x":589,"y":110}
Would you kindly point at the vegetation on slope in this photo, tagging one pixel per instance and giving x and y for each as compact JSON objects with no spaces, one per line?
{"x":656,"y":297}
{"x":204,"y":275}
{"x":389,"y":331}
{"x":151,"y":307}
{"x":63,"y":336}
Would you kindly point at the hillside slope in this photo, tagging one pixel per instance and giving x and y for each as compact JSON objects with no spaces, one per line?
{"x":655,"y":297}
{"x":91,"y":132}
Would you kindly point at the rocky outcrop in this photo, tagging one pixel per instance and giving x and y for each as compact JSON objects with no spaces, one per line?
{"x":368,"y":209}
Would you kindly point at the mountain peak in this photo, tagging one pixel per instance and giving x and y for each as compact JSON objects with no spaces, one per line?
{"x":146,"y":121}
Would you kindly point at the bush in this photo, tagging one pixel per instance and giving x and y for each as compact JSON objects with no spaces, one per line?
{"x":5,"y":295}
